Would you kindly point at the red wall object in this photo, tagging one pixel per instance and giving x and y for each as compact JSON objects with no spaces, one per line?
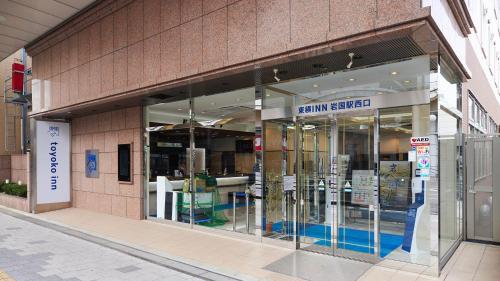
{"x":17,"y":77}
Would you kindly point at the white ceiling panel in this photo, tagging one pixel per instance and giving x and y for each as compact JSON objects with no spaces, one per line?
{"x":23,"y":24}
{"x":78,"y":4}
{"x":28,"y":13}
{"x":51,"y":7}
{"x":16,"y":33}
{"x":22,"y":21}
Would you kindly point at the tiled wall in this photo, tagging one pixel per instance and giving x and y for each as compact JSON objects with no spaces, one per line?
{"x":125,"y":45}
{"x":14,"y":167}
{"x":104,"y":132}
{"x":4,"y":167}
{"x":19,"y":168}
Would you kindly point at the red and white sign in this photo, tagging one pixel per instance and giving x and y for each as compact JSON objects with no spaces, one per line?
{"x":420,"y":141}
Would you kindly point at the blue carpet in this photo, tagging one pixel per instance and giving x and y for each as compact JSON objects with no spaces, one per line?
{"x":350,"y":239}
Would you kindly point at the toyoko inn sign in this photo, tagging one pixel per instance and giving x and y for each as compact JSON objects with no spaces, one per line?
{"x":338,"y":106}
{"x":362,"y":103}
{"x":52,"y":162}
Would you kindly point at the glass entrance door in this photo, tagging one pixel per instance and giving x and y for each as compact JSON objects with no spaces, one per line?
{"x":315,"y":194}
{"x":355,"y":185}
{"x":337,"y":152}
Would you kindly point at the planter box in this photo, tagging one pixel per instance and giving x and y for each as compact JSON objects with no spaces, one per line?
{"x":14,"y":202}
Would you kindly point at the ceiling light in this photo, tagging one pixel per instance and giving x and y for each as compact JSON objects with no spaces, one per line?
{"x":268,"y":95}
{"x":347,"y":97}
{"x":394,"y":73}
{"x":276,"y":75}
{"x":179,"y":109}
{"x":203,"y":112}
{"x":351,"y":57}
{"x":407,"y":81}
{"x":315,"y":85}
{"x":352,"y":79}
{"x":380,"y":93}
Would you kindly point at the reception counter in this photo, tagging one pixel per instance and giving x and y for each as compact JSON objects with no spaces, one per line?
{"x":164,"y":204}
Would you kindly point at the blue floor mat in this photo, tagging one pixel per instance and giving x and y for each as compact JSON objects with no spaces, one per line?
{"x":350,"y":239}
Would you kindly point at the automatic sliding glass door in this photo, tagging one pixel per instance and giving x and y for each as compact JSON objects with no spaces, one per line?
{"x":355,"y":185}
{"x":315,"y":209}
{"x":337,"y":150}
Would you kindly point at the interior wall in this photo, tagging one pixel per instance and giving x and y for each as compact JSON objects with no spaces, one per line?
{"x":105,"y":193}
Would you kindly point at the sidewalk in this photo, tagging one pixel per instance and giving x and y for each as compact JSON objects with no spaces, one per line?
{"x":249,"y":260}
{"x":232,"y":257}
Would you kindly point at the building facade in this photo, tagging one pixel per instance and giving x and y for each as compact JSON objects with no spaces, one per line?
{"x":283,"y":121}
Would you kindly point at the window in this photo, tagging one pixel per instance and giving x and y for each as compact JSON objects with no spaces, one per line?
{"x":124,"y":162}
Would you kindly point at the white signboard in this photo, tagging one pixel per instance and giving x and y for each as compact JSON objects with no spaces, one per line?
{"x":53,"y":143}
{"x":289,"y":183}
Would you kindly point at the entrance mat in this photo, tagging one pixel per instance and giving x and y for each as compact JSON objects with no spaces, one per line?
{"x":350,"y":239}
{"x":312,"y":266}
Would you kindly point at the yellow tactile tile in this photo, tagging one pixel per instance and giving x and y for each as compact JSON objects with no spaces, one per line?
{"x":5,"y":277}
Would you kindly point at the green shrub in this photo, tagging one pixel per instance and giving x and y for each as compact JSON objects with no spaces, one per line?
{"x":14,"y":189}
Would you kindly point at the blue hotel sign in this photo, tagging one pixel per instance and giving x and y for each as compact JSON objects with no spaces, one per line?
{"x":338,"y":106}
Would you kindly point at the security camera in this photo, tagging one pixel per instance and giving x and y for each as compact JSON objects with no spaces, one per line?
{"x":276,"y":75}
{"x":351,"y":57}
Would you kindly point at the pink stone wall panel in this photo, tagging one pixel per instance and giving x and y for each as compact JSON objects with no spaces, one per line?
{"x":56,"y":59}
{"x":152,"y":65}
{"x":120,"y":29}
{"x":106,"y":74}
{"x":170,"y":13}
{"x":273,"y":27}
{"x":73,"y":85}
{"x":152,"y":17}
{"x":212,"y":5}
{"x":309,"y":22}
{"x":120,"y":69}
{"x":106,"y":35}
{"x":95,"y":41}
{"x":395,"y":11}
{"x":191,"y":9}
{"x":84,"y":46}
{"x":135,"y":24}
{"x":343,"y":13}
{"x":83,"y":82}
{"x":135,"y":63}
{"x":191,"y":47}
{"x":56,"y":91}
{"x":64,"y":56}
{"x":95,"y":78}
{"x":242,"y":32}
{"x":14,"y":202}
{"x":136,"y":44}
{"x":170,"y":54}
{"x":73,"y":51}
{"x":215,"y":39}
{"x":106,"y":194}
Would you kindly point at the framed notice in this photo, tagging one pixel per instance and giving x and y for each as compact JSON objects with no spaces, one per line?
{"x":92,"y":163}
{"x":362,"y":187}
